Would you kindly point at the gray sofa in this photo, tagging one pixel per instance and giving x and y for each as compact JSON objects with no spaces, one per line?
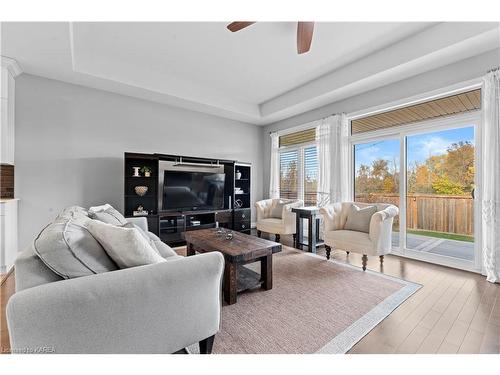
{"x":158,"y":308}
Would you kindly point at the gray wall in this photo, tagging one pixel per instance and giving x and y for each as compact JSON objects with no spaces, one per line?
{"x":70,"y":142}
{"x":455,"y":73}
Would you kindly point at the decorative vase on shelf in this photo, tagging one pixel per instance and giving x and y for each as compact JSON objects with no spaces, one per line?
{"x":238,"y":175}
{"x":141,"y":190}
{"x":146,"y":170}
{"x":136,"y":171}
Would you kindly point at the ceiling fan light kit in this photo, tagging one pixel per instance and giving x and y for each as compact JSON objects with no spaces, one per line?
{"x":305,"y":32}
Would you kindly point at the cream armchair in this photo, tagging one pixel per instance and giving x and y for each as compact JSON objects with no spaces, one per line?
{"x":269,"y":224}
{"x":377,"y":242}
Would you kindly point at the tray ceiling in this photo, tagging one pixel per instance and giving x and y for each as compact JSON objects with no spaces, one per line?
{"x":254,"y":75}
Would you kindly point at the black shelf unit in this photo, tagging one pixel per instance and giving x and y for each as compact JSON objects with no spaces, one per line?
{"x":131,"y":199}
{"x":242,"y":201}
{"x":171,"y":225}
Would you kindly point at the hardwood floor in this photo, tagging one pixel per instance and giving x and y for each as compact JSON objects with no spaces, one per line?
{"x":454,"y":312}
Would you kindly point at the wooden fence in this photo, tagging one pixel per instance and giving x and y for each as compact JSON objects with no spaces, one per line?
{"x":440,"y":213}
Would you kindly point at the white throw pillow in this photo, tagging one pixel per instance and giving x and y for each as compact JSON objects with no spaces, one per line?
{"x":359,"y":218}
{"x":126,"y":246}
{"x":107,"y":214}
{"x":161,"y":248}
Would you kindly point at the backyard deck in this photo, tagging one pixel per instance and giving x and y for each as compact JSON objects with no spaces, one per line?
{"x":451,"y":248}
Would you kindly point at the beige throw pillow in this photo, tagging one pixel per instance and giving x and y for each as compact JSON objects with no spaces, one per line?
{"x":277,"y":210}
{"x":359,"y":219}
{"x":126,"y":246}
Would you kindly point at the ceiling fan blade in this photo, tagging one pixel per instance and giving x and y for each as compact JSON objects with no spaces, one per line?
{"x":304,"y":36}
{"x":238,"y":25}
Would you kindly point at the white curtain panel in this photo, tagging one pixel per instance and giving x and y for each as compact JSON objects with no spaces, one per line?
{"x":323,"y":147}
{"x":340,"y":168}
{"x":274,"y":180}
{"x":490,"y":186}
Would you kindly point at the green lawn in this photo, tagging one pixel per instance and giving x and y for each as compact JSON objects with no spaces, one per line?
{"x":448,"y":236}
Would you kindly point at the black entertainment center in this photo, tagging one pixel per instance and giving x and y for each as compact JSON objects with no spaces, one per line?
{"x":182,"y":193}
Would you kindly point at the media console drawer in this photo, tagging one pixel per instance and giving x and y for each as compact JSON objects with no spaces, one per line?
{"x":242,"y":225}
{"x":242,"y":219}
{"x":242,"y":215}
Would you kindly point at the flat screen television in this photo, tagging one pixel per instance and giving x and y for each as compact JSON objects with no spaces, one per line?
{"x":183,"y":190}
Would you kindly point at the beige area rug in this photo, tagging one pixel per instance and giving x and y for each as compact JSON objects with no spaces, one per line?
{"x":315,"y":306}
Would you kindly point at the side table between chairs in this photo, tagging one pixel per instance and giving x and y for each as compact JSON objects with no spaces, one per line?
{"x":312,"y":215}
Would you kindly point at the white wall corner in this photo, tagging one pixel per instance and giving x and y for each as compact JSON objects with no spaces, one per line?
{"x":11,"y":65}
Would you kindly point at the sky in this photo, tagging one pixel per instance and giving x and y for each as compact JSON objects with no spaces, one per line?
{"x":419,"y":147}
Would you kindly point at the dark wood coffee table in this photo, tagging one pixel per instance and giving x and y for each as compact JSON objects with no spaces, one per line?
{"x":240,"y":250}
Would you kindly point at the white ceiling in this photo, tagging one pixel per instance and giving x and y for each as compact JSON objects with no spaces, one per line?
{"x":254,"y":75}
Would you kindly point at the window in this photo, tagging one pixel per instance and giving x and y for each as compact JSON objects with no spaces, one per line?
{"x":299,"y":167}
{"x":289,"y":161}
{"x":310,"y":175}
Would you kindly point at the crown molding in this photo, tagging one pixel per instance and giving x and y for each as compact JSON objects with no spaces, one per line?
{"x":11,"y":65}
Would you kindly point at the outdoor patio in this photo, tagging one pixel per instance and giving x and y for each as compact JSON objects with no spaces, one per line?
{"x":452,"y":248}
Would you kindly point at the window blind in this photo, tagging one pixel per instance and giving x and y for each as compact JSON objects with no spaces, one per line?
{"x":304,"y":136}
{"x":458,"y":103}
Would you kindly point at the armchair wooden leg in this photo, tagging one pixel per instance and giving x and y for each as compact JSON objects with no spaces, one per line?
{"x":206,"y":345}
{"x":381,"y":259}
{"x":277,"y":238}
{"x":328,"y":251}
{"x":295,"y":240}
{"x":259,"y":233}
{"x":347,"y":252}
{"x":365,"y":260}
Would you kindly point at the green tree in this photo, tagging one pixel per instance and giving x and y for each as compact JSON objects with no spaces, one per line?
{"x":362,"y":178}
{"x":380,"y":169}
{"x":459,"y":165}
{"x":444,"y":186}
{"x":449,"y":173}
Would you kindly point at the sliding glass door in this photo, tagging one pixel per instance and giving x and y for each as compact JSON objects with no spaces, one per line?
{"x":440,"y":180}
{"x":376,"y":178}
{"x":429,"y":170}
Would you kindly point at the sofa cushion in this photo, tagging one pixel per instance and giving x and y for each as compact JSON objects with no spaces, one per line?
{"x":126,"y":246}
{"x":107,"y":214}
{"x":70,"y":250}
{"x":358,"y":219}
{"x":277,"y":209}
{"x":73,"y":212}
{"x":161,"y":248}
